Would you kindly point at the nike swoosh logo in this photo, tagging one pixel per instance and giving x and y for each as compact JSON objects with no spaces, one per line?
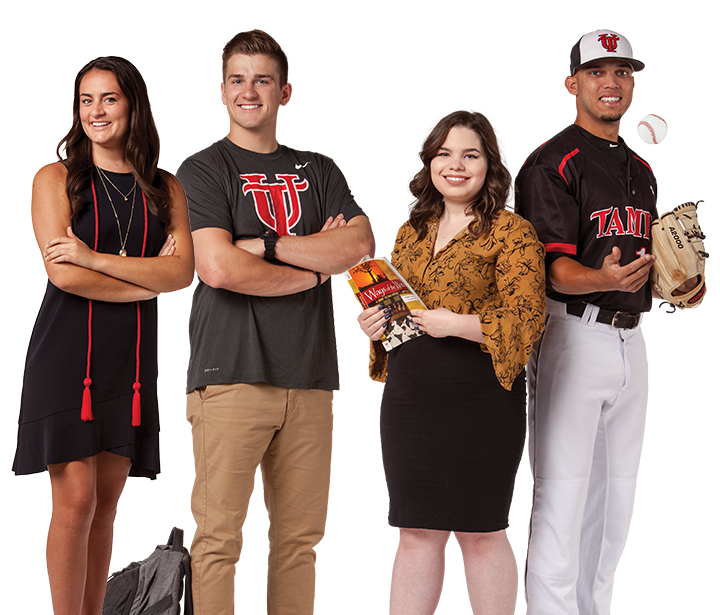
{"x":301,"y":166}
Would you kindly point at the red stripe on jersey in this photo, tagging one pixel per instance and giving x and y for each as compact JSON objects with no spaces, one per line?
{"x":564,"y":162}
{"x":543,"y":145}
{"x":565,"y":248}
{"x":645,"y":163}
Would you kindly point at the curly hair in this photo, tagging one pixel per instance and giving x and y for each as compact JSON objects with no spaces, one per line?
{"x":142,"y":150}
{"x":493,"y":195}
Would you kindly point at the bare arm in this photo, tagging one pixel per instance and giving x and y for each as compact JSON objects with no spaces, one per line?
{"x":442,"y":322}
{"x":221,"y":264}
{"x":569,"y":277}
{"x":51,"y":216}
{"x":169,"y":271}
{"x":332,"y":250}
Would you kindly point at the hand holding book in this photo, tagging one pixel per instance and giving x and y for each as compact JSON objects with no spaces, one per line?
{"x":387,"y":299}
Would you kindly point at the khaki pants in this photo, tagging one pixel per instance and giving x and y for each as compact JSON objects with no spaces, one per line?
{"x":288,"y":432}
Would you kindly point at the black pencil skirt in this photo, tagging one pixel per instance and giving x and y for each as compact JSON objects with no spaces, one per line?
{"x":452,"y":437}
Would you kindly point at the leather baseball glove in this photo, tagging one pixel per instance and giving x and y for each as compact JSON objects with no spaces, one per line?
{"x":676,"y":242}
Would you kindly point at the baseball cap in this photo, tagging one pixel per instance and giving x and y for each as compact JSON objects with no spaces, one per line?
{"x":601,"y":45}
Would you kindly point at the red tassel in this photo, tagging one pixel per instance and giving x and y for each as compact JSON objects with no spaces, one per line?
{"x":86,"y":413}
{"x":136,"y":406}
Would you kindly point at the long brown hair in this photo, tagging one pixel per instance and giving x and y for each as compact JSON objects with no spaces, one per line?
{"x":143,"y":145}
{"x":493,"y":195}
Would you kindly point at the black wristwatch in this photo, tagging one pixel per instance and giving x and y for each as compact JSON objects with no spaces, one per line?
{"x":270,"y":238}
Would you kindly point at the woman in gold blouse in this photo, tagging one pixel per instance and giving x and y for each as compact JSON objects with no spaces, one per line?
{"x":453,"y":409}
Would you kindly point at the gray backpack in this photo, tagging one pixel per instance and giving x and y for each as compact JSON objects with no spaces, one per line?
{"x":153,"y":586}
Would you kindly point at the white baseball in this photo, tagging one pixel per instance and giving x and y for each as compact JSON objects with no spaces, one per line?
{"x":652,"y":129}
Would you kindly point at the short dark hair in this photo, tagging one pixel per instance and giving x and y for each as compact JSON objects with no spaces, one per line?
{"x":493,"y":195}
{"x":253,"y":43}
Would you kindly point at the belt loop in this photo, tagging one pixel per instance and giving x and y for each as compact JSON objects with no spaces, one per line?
{"x":590,"y":314}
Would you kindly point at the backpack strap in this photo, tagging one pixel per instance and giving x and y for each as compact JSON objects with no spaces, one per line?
{"x":188,"y":610}
{"x":176,"y":539}
{"x":176,"y":542}
{"x":159,"y":607}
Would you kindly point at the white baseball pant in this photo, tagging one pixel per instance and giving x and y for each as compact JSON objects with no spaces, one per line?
{"x":588,"y":385}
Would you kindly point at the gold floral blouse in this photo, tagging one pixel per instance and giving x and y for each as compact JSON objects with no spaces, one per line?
{"x":500,"y":277}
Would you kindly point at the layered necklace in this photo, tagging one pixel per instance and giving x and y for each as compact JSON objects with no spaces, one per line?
{"x":123,"y":240}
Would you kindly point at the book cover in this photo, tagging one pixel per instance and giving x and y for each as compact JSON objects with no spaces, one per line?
{"x":376,"y":282}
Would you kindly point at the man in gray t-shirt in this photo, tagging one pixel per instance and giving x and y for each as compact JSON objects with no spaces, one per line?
{"x":270,"y":225}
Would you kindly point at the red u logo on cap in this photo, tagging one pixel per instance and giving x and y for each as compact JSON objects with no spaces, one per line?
{"x":609,"y":42}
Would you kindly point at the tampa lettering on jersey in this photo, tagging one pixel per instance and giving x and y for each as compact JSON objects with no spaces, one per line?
{"x":277,"y":204}
{"x":637,"y":222}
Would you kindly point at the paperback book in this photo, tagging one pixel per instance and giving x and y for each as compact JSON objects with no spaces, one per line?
{"x":376,"y":282}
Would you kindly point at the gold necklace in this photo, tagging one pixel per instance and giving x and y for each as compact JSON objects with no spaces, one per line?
{"x":117,"y":219}
{"x":125,"y":196}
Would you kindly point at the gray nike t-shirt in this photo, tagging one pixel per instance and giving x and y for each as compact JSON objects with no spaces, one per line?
{"x":286,"y":341}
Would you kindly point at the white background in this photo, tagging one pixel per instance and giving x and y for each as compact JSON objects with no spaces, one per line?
{"x":369,"y":82}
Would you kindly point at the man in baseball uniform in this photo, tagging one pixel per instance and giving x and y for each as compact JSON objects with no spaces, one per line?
{"x":270,"y":225}
{"x":591,"y":200}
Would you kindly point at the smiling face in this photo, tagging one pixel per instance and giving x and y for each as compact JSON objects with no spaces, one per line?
{"x":104,"y":110}
{"x":459,"y":168}
{"x":603,"y":91}
{"x":253,"y":95}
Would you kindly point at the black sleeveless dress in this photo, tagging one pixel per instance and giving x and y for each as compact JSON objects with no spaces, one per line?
{"x":108,"y":346}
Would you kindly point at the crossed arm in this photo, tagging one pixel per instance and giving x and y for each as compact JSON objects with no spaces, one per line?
{"x":74,"y":267}
{"x":241,"y":268}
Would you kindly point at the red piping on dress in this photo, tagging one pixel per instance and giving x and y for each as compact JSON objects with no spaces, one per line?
{"x":136,"y":385}
{"x":86,"y":413}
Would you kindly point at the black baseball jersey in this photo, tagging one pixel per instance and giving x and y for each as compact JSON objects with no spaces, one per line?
{"x":583,"y":202}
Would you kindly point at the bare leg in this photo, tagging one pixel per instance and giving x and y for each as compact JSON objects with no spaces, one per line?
{"x":491,"y":572}
{"x":112,"y":471}
{"x":84,"y":495}
{"x":73,"y":498}
{"x":418,"y":572}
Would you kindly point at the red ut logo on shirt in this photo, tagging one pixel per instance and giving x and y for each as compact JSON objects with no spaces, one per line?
{"x":609,"y":42}
{"x":278,"y":204}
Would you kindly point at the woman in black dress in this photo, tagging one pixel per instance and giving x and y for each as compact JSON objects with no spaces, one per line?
{"x":113,"y":231}
{"x":453,"y":410}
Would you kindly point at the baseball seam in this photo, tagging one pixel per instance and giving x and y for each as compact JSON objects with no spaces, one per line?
{"x":650,"y":128}
{"x":658,"y":117}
